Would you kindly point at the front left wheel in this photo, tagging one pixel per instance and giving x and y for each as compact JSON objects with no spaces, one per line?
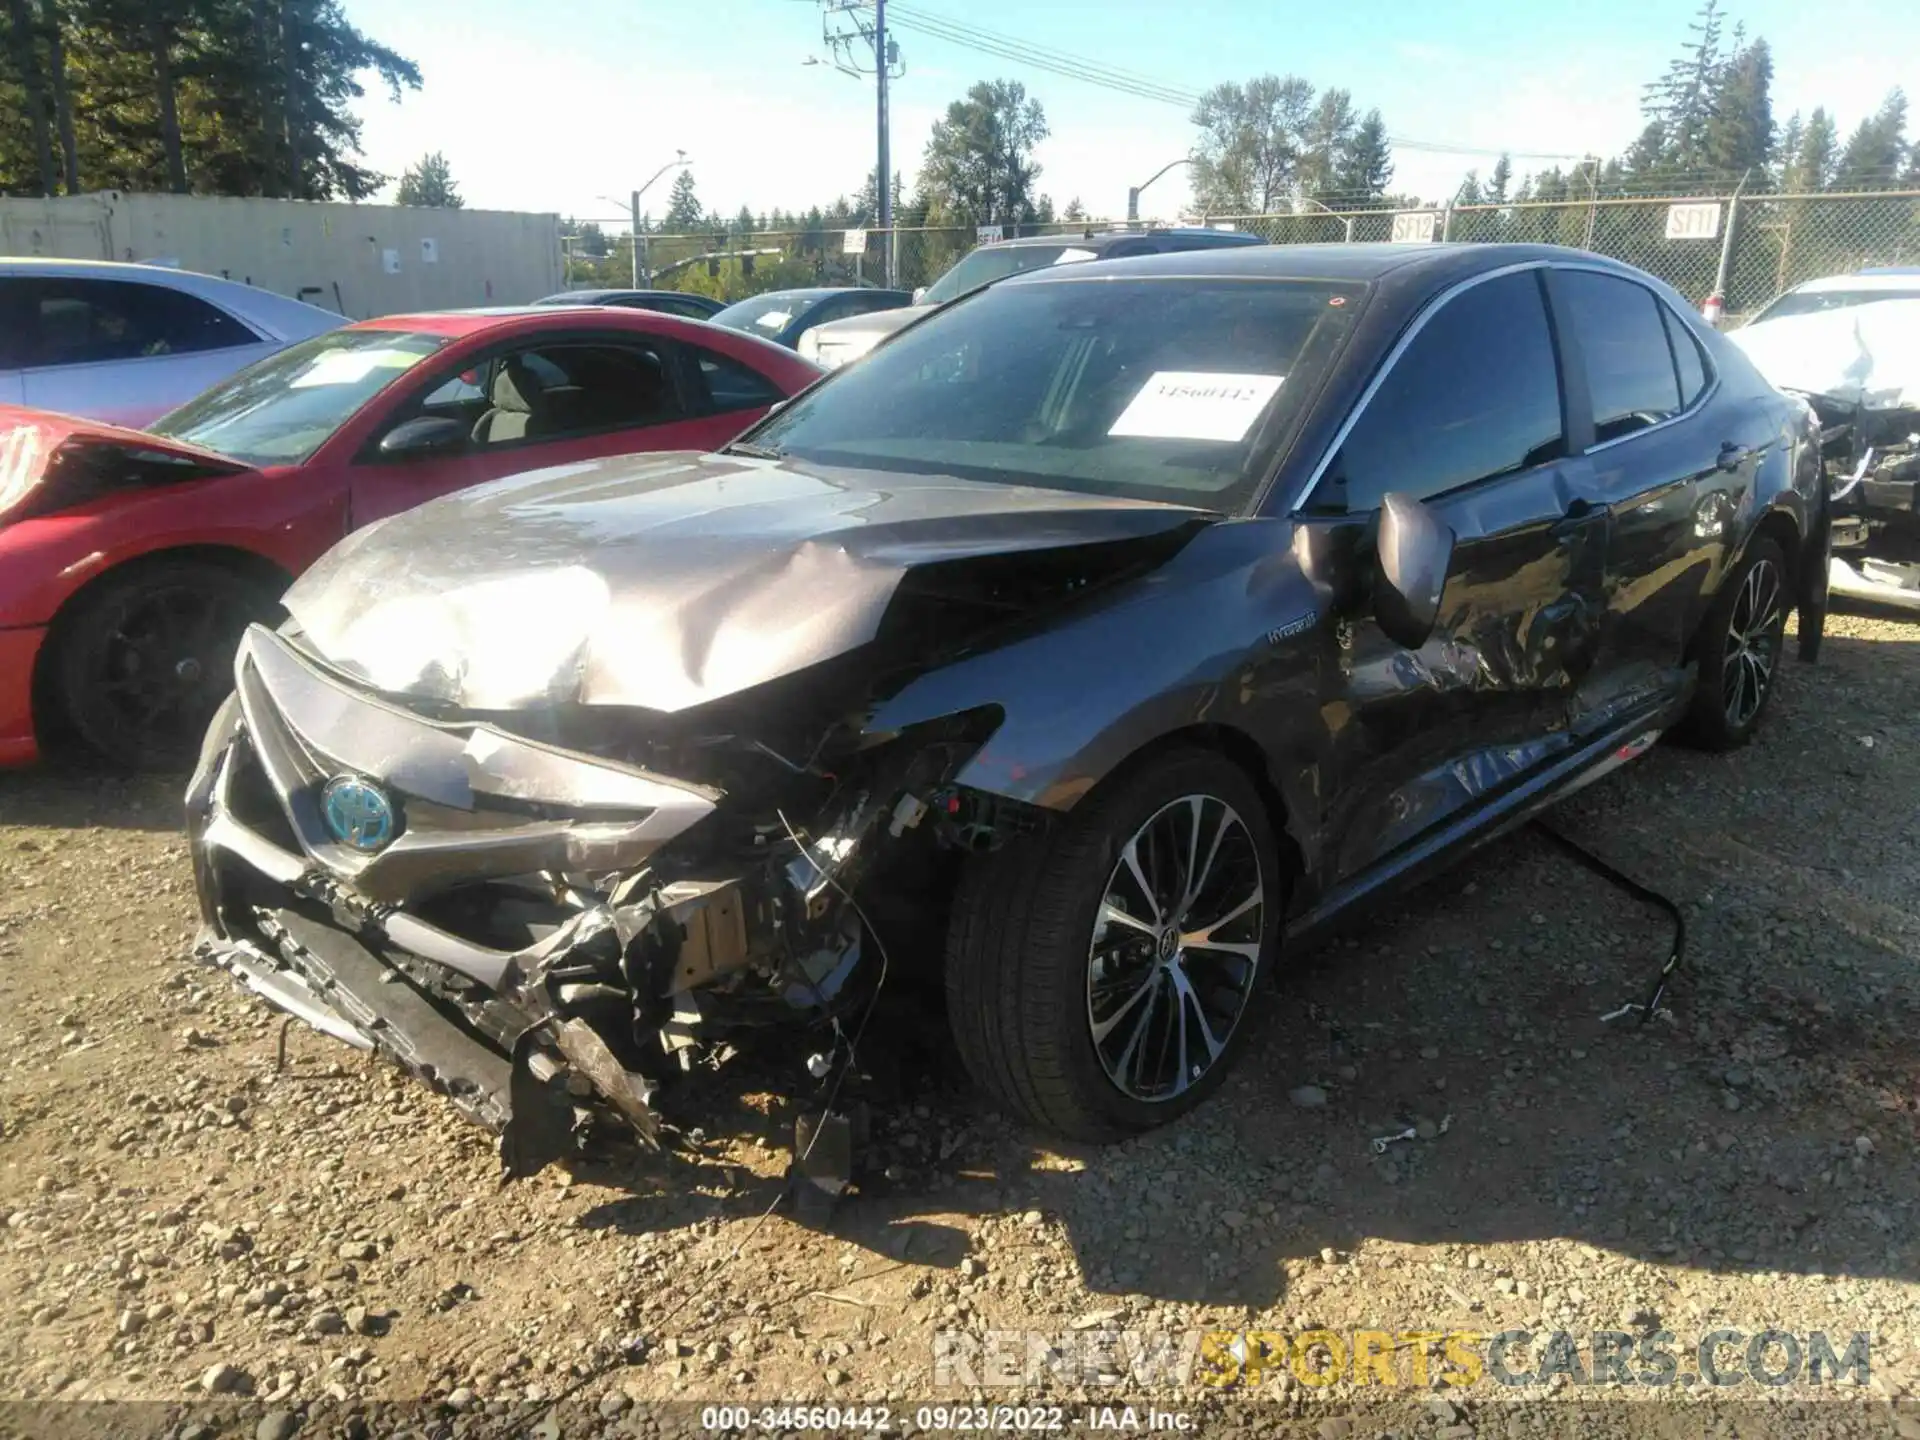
{"x":1100,"y":978}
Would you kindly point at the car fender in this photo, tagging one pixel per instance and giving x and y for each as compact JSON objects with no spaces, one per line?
{"x":47,"y":560}
{"x":1227,"y":636}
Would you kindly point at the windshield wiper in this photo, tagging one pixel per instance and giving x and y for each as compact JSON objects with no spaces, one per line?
{"x":753,"y":451}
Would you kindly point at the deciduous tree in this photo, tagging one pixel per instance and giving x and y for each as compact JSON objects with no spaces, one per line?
{"x":979,"y":166}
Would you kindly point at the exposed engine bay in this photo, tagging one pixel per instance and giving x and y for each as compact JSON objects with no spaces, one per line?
{"x":1858,"y":366}
{"x":546,"y":912}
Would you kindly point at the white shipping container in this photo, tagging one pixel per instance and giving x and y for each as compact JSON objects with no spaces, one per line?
{"x":351,"y":258}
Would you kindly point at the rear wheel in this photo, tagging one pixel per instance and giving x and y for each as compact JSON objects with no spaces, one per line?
{"x":1099,"y":980}
{"x":146,"y":659}
{"x":1739,"y":649}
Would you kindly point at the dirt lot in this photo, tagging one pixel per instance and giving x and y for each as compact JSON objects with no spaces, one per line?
{"x":331,"y":1235}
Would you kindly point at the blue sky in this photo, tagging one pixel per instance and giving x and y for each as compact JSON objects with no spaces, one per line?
{"x":550,"y":107}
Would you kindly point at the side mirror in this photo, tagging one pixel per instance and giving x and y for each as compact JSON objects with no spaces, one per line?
{"x":1414,"y":551}
{"x":919,"y":293}
{"x":423,"y":435}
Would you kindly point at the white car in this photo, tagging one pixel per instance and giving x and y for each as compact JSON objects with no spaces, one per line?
{"x":1838,"y":292}
{"x":127,"y":343}
{"x":1850,"y":345}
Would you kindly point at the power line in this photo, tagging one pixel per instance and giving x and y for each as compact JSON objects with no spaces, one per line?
{"x":1040,"y":58}
{"x":1127,"y":82}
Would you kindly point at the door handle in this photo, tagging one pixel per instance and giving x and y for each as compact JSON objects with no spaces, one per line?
{"x":1732,"y":455}
{"x":1579,"y":513}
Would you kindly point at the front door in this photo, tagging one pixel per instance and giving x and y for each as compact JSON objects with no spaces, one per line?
{"x":1470,"y":419}
{"x":542,"y":403}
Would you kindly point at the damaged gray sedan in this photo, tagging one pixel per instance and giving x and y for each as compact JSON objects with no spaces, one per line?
{"x":1094,"y":641}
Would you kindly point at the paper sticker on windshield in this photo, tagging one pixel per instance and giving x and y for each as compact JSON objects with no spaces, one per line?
{"x":1196,"y":405}
{"x":775,"y":319}
{"x":350,"y":367}
{"x":1067,"y":257}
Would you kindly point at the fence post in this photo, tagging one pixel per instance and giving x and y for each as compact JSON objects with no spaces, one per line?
{"x":1446,"y":222}
{"x":1726,"y":246}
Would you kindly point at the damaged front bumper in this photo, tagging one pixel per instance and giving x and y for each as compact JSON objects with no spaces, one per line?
{"x":538,"y":933}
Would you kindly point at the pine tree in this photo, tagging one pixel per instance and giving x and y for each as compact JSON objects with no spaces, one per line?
{"x":683,"y":206}
{"x":430,"y":182}
{"x":1682,"y":100}
{"x":1873,"y":152}
{"x":1788,"y":149}
{"x":1738,"y":135}
{"x":1366,"y":169}
{"x":1812,"y":165}
{"x":1499,"y":180}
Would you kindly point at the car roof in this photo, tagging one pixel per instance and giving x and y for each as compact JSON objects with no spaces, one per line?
{"x":810,"y":292}
{"x":1881,"y":277}
{"x":1358,"y":263}
{"x":1092,"y":239}
{"x":587,"y":297}
{"x":283,"y":317}
{"x":456,"y":323}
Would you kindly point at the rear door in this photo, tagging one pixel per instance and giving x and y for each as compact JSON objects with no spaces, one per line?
{"x":1670,"y":477}
{"x":1469,"y":417}
{"x":124,"y":351}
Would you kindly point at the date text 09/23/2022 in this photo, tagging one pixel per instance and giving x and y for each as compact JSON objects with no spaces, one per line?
{"x":998,"y":1419}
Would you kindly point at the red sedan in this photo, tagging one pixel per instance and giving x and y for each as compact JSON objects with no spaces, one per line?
{"x":130,"y":561}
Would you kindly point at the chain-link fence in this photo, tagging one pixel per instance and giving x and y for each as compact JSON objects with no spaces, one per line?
{"x":1751,"y":247}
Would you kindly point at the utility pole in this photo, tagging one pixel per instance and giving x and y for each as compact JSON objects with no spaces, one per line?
{"x":883,"y":176}
{"x":840,"y":39}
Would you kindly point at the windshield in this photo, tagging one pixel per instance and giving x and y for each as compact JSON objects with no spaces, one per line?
{"x":996,"y":262}
{"x":1177,"y":390}
{"x":767,"y":315}
{"x":282,"y":409}
{"x":1809,"y":302}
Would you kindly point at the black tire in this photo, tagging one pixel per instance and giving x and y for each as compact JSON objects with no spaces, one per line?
{"x":1021,"y":971}
{"x":1739,"y":651}
{"x":143,"y":660}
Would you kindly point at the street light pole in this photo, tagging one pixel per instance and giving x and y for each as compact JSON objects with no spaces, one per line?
{"x":1133,"y":192}
{"x":1347,"y":219}
{"x":633,"y":212}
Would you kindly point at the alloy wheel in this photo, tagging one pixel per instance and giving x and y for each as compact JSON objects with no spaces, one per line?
{"x":1753,"y":644}
{"x":1175,"y":948}
{"x":166,"y":663}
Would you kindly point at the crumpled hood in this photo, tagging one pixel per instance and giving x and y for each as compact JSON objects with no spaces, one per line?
{"x":39,"y":449}
{"x":1867,"y":355}
{"x":661,"y":581}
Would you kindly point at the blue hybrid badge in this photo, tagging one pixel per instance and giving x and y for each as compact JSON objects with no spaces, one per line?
{"x":358,"y":813}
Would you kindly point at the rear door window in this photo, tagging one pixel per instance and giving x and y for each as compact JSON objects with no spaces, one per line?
{"x":732,"y":385}
{"x":83,"y":322}
{"x":1623,"y":340}
{"x":1687,"y":357}
{"x":1474,"y":396}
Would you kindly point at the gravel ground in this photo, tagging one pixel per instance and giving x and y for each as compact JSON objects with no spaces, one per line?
{"x":179,"y":1218}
